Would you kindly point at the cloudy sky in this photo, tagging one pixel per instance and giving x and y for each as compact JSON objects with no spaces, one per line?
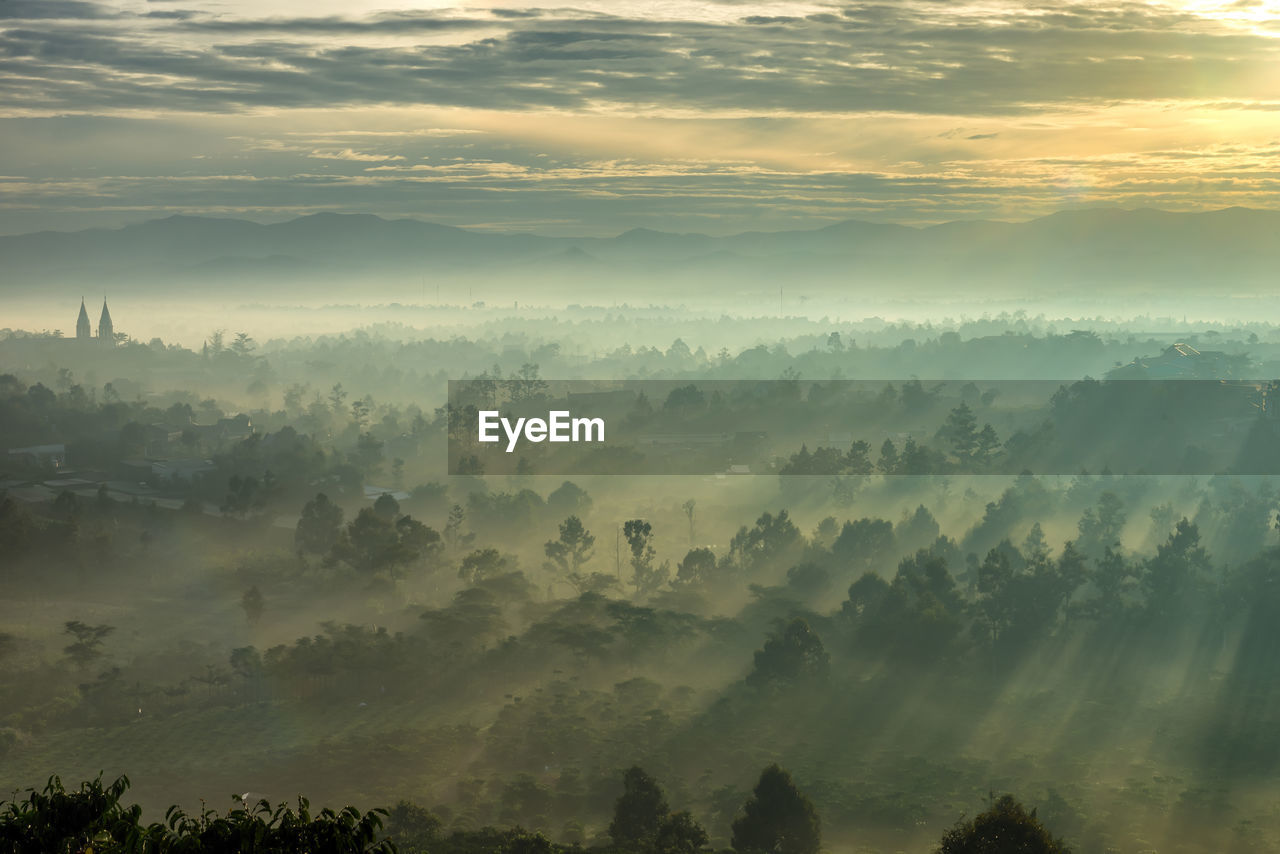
{"x":594,"y":117}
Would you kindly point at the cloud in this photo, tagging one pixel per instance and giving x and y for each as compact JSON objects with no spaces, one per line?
{"x":380,"y":23}
{"x":658,"y":111}
{"x":355,"y":156}
{"x":35,"y":10}
{"x":593,"y":180}
{"x":910,"y":57}
{"x":516,"y":13}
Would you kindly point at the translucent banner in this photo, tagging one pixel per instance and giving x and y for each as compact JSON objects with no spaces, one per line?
{"x":798,"y":427}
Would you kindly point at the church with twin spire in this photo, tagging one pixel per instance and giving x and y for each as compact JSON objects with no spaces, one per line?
{"x":106,"y":331}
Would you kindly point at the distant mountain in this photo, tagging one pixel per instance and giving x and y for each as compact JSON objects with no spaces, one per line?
{"x":571,"y":260}
{"x":1226,"y":251}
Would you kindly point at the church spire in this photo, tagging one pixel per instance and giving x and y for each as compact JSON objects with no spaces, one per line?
{"x":83,"y":330}
{"x":106,"y":332}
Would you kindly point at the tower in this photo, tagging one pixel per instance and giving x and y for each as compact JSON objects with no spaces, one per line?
{"x":83,"y":330}
{"x":106,"y":332}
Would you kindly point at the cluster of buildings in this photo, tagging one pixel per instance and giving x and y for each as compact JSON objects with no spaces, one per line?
{"x":154,"y":476}
{"x":165,"y":462}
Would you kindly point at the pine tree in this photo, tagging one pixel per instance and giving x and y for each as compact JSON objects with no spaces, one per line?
{"x":639,"y":812}
{"x":777,"y":818}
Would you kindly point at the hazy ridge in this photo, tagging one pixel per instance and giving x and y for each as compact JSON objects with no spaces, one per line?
{"x":1234,"y":249}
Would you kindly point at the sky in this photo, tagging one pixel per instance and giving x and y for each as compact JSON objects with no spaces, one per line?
{"x":594,"y":117}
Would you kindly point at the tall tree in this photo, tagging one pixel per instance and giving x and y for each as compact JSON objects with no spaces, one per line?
{"x":680,"y":834}
{"x":319,"y":526}
{"x":336,"y":397}
{"x":244,"y":495}
{"x":858,"y":458}
{"x":482,"y":564}
{"x":1005,"y":828}
{"x":1179,"y":564}
{"x":961,"y":431}
{"x":253,"y":605}
{"x":793,"y":652}
{"x":699,"y":565}
{"x":373,"y":542}
{"x":642,"y":821}
{"x":453,"y":536}
{"x":888,"y":463}
{"x":243,"y":345}
{"x":777,"y":818}
{"x":988,"y":445}
{"x":1101,"y":528}
{"x":863,"y":543}
{"x":87,"y":646}
{"x":387,"y":507}
{"x":639,"y":811}
{"x":573,"y":549}
{"x":645,"y":577}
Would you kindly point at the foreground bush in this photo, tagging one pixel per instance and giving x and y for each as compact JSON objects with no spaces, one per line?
{"x":777,"y":819}
{"x":1005,"y":828}
{"x":91,"y":820}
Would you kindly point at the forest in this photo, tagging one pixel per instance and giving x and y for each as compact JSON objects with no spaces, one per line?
{"x":919,"y":364}
{"x":1026,"y":596}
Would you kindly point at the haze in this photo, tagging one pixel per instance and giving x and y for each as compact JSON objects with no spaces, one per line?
{"x":248,"y":545}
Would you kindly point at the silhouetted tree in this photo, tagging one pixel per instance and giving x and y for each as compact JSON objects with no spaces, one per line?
{"x":773,"y":540}
{"x":642,"y":822}
{"x":862,"y":543}
{"x":573,"y":549}
{"x":698,"y":565}
{"x":368,"y":453}
{"x":92,"y":818}
{"x":639,"y":811}
{"x":888,"y":462}
{"x":1101,"y":528}
{"x":645,"y":577}
{"x":372,"y":542}
{"x":1005,"y":828}
{"x":67,"y":504}
{"x":794,"y":652}
{"x":319,"y":526}
{"x":777,"y":818}
{"x":87,"y":646}
{"x":243,"y":345}
{"x":253,"y":605}
{"x":688,"y":507}
{"x":680,"y":834}
{"x":987,"y":448}
{"x":411,"y":827}
{"x":453,"y":536}
{"x":960,"y":430}
{"x":481,"y":564}
{"x":244,"y":495}
{"x":1179,"y":563}
{"x":386,"y":506}
{"x":857,"y":460}
{"x":569,"y":499}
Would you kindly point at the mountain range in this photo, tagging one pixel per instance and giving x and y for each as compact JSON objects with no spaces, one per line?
{"x":1234,"y":250}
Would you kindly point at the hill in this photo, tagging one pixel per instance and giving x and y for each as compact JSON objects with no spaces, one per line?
{"x":1131,"y":251}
